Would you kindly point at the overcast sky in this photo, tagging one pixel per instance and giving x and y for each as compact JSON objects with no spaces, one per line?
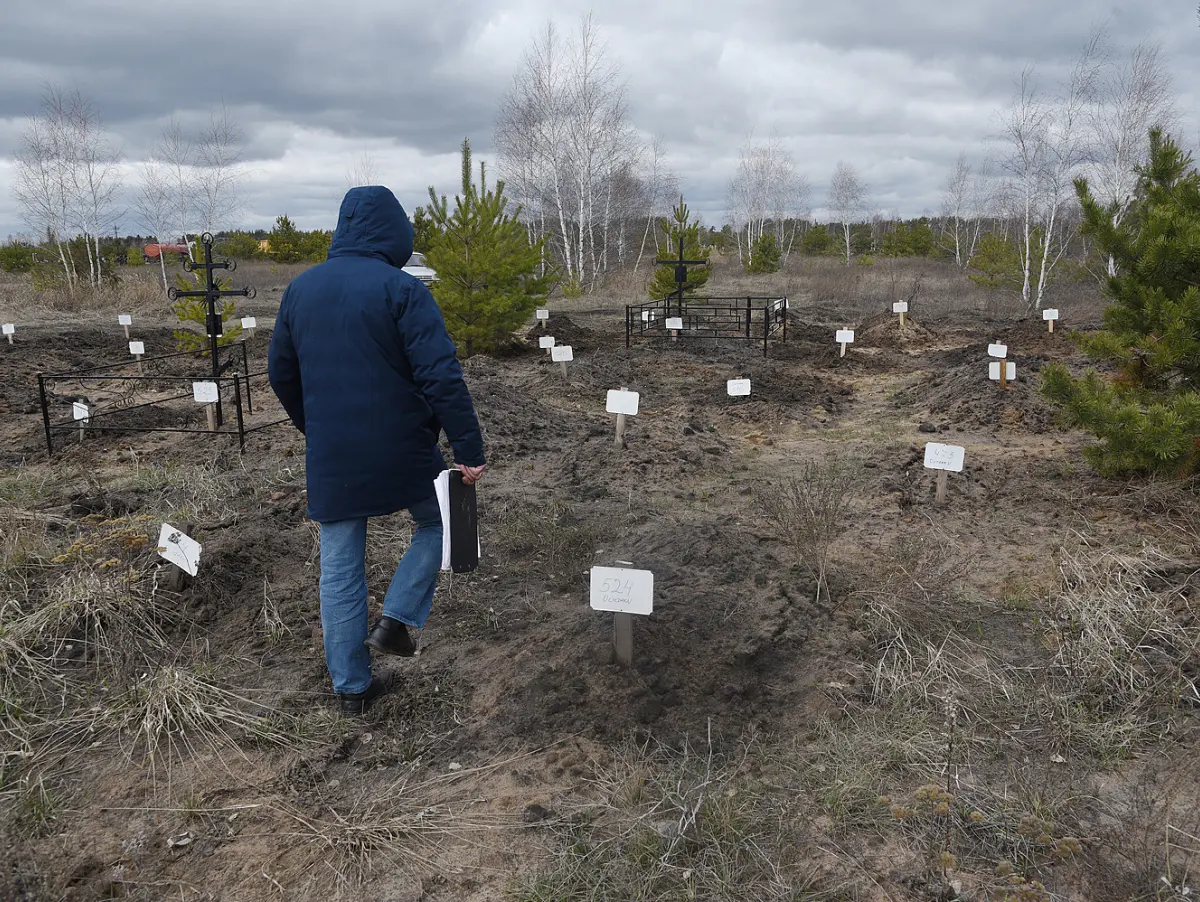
{"x":896,"y":88}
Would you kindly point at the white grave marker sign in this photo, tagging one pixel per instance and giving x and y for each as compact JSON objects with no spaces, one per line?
{"x":545,"y":342}
{"x":675,"y":322}
{"x":944,"y":457}
{"x":900,"y":307}
{"x":562,"y":353}
{"x":645,"y":316}
{"x":543,"y":313}
{"x":622,"y":591}
{"x":738,"y":388}
{"x":137,"y":348}
{"x":124,"y":319}
{"x":997,"y":350}
{"x":625,"y":402}
{"x":249,"y":322}
{"x":179,"y":549}
{"x":1010,"y":374}
{"x":845,"y":336}
{"x":8,"y":329}
{"x":205,"y":392}
{"x":80,"y":411}
{"x":1050,"y":313}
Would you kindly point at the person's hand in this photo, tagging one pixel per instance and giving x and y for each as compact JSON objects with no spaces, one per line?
{"x":471,"y":475}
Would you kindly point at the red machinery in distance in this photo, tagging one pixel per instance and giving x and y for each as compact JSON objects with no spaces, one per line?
{"x":152,"y":251}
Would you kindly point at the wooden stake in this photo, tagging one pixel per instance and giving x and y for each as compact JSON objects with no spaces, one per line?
{"x":563,"y":365}
{"x":1003,"y":373}
{"x":623,"y":638}
{"x":902,"y":315}
{"x":126,"y":328}
{"x":177,"y":580}
{"x":138,"y":358}
{"x":1051,"y":322}
{"x":940,"y":498}
{"x":210,"y":412}
{"x":621,"y":427}
{"x":843,"y":353}
{"x":10,"y":338}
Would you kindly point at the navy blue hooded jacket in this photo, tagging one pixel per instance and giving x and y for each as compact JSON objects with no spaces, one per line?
{"x":362,"y":363}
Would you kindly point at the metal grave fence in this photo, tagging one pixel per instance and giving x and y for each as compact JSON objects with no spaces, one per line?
{"x":157,"y":398}
{"x":747,"y":318}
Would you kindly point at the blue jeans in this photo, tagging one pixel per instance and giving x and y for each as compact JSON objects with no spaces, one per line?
{"x":344,"y":590}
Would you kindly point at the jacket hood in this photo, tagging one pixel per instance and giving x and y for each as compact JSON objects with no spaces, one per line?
{"x":372,"y":223}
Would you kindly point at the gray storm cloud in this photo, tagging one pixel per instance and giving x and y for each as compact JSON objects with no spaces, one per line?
{"x":897,"y":89}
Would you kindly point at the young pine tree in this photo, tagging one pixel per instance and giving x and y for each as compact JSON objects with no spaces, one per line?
{"x":1147,"y":416}
{"x":488,"y":282}
{"x":764,"y":256}
{"x":680,"y":225}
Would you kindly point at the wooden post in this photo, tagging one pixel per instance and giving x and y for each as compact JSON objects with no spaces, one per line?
{"x":126,"y":332}
{"x":902,"y":315}
{"x":210,"y":412}
{"x":1051,"y":322}
{"x":621,"y":427}
{"x":563,"y":365}
{"x":940,"y":498}
{"x":1003,"y":372}
{"x":82,"y":429}
{"x":10,"y":341}
{"x":177,"y":580}
{"x":623,"y":638}
{"x":843,"y":351}
{"x":138,"y":358}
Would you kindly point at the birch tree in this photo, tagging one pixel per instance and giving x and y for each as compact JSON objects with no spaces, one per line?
{"x":176,"y":154}
{"x":363,"y":172}
{"x":40,"y":189}
{"x":766,"y":193}
{"x":566,"y":148}
{"x":847,"y":198}
{"x":96,"y":177}
{"x":1134,"y":95}
{"x":154,"y":203}
{"x":218,"y":153}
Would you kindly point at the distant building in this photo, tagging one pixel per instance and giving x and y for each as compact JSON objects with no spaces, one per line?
{"x":264,"y":245}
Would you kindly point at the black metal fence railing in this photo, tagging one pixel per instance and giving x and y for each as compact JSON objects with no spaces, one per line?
{"x":154,"y":399}
{"x":748,"y":318}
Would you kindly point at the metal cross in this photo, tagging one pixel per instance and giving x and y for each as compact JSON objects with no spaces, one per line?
{"x":681,"y":266}
{"x":211,"y":295}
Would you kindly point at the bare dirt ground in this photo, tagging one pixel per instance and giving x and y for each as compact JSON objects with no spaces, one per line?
{"x":994,"y":699}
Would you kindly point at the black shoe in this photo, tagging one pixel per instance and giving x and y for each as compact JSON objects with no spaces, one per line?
{"x":356,"y":704}
{"x":390,"y":637}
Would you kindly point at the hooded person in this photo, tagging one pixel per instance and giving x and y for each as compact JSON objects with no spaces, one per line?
{"x":361,"y":361}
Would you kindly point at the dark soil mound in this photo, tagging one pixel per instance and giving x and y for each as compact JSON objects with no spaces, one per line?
{"x":565,"y":331}
{"x":885,"y":331}
{"x":964,"y":396}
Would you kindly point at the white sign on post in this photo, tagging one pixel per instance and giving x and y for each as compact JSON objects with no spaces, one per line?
{"x":179,"y":549}
{"x":622,"y":591}
{"x":137,"y":348}
{"x":900,"y":307}
{"x":944,"y":457}
{"x":845,"y":336}
{"x":205,"y":392}
{"x":997,"y":350}
{"x":124,"y":319}
{"x":645,"y":316}
{"x":546,"y":341}
{"x":675,"y":322}
{"x":625,"y":402}
{"x":543,"y":313}
{"x":249,"y":322}
{"x":1050,"y":313}
{"x":738,"y":388}
{"x":1010,"y":374}
{"x":8,"y":329}
{"x":80,"y":411}
{"x":562,"y":353}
